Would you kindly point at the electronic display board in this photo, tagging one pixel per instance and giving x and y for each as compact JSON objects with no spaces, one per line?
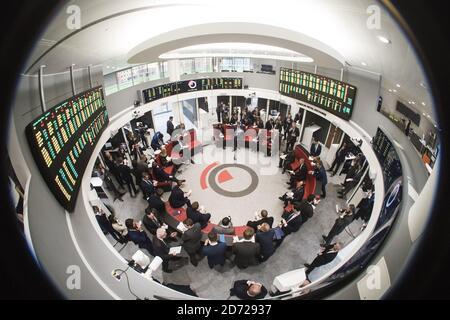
{"x":388,"y":157}
{"x":62,"y":141}
{"x":170,"y":89}
{"x":328,"y":94}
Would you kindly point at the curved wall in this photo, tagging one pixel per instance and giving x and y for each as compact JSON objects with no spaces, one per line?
{"x":49,"y":222}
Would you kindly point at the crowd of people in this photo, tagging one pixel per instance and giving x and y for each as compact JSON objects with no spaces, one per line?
{"x":261,"y":238}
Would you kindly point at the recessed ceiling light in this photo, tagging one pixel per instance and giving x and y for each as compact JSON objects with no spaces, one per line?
{"x":424,"y":114}
{"x":107,"y":67}
{"x":397,"y":85}
{"x":424,"y":104}
{"x":394,"y":90}
{"x":413,"y":102}
{"x":428,"y":116}
{"x":423,"y":85}
{"x":384,"y":39}
{"x":364,"y":64}
{"x":390,"y":90}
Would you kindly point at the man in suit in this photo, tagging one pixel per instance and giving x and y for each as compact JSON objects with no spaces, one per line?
{"x":113,"y":168}
{"x":225,"y":227}
{"x":155,"y":201}
{"x":162,"y":249}
{"x":298,"y":116}
{"x":152,"y":221}
{"x":147,"y":186}
{"x":291,"y":222}
{"x":321,"y":175}
{"x":306,"y":208}
{"x":195,"y":215}
{"x":346,"y":217}
{"x":327,"y":254}
{"x":138,"y":236}
{"x":293,"y":135}
{"x":125,"y":174}
{"x":264,"y":237}
{"x":339,"y":158}
{"x":246,"y":252}
{"x":192,"y":241}
{"x":248,"y":290}
{"x":105,"y":225}
{"x":170,"y":126}
{"x":264,"y":219}
{"x":352,"y":178}
{"x":296,"y":196}
{"x":214,"y":251}
{"x":139,"y":168}
{"x":316,"y":148}
{"x":299,"y":175}
{"x":177,"y":198}
{"x":161,"y":176}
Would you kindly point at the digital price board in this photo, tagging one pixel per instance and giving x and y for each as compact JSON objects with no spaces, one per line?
{"x":62,"y":141}
{"x":328,"y":94}
{"x":170,"y":89}
{"x":388,"y":157}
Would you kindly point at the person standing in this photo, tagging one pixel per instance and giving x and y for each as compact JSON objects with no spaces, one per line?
{"x":339,"y":158}
{"x":321,"y":175}
{"x":327,"y":254}
{"x":219,"y":111}
{"x":192,"y":241}
{"x":292,"y":136}
{"x":316,"y":148}
{"x":170,"y":126}
{"x":347,"y":216}
{"x":125,"y":174}
{"x":265,"y":237}
{"x":162,"y":249}
{"x":138,"y":236}
{"x":408,"y":128}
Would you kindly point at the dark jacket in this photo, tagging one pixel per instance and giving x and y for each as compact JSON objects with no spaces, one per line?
{"x":246,"y":254}
{"x":139,"y":238}
{"x":177,"y":199}
{"x":255,"y":224}
{"x":306,"y":210}
{"x":170,"y":127}
{"x":302,"y":173}
{"x":161,"y":249}
{"x":152,"y":225}
{"x":293,"y":224}
{"x":321,"y":175}
{"x":147,"y":188}
{"x":215,"y":254}
{"x":191,"y":239}
{"x":155,"y":202}
{"x":240,"y":289}
{"x":315,"y":150}
{"x":265,"y":240}
{"x":125,"y":173}
{"x":198,"y":217}
{"x":160,"y":175}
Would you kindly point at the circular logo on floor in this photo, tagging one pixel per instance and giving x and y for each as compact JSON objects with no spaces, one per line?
{"x":230,"y":180}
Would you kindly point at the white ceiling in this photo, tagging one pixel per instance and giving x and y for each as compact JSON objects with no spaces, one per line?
{"x":113,"y":30}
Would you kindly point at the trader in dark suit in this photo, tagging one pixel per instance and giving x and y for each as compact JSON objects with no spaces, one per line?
{"x":316,"y":148}
{"x":248,"y":290}
{"x":138,"y":236}
{"x":264,"y":219}
{"x":157,"y":141}
{"x":113,"y":168}
{"x":321,"y":175}
{"x":151,"y":220}
{"x":346,"y":217}
{"x":195,"y":215}
{"x":161,"y":176}
{"x":264,"y":237}
{"x":147,"y":186}
{"x":306,"y":208}
{"x":299,"y":175}
{"x":162,"y":249}
{"x":292,"y":136}
{"x":125,"y":174}
{"x":291,"y":222}
{"x":155,"y":202}
{"x":215,"y":251}
{"x":297,"y":194}
{"x":327,"y":254}
{"x":105,"y":224}
{"x":246,"y":252}
{"x":339,"y":158}
{"x":170,"y":126}
{"x":177,"y":198}
{"x":192,"y":241}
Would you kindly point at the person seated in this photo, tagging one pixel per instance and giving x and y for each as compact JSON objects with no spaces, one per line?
{"x":291,"y":222}
{"x":286,"y":160}
{"x":105,"y":224}
{"x":326,"y":255}
{"x":294,"y":196}
{"x":139,"y":168}
{"x":262,"y":218}
{"x":192,"y":241}
{"x":162,"y":249}
{"x":118,"y":226}
{"x":215,"y":251}
{"x":147,"y":186}
{"x":265,"y":237}
{"x":299,"y":175}
{"x":178,"y":198}
{"x":138,"y":236}
{"x":248,"y":290}
{"x":152,"y":222}
{"x":195,"y":215}
{"x":225,"y":226}
{"x":157,"y":141}
{"x":155,"y":201}
{"x":161,"y":176}
{"x":306,"y":207}
{"x":246,"y":252}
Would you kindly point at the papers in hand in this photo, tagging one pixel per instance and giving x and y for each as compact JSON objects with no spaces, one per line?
{"x":181,"y":227}
{"x":235,"y":239}
{"x":311,"y":158}
{"x":283,"y":157}
{"x":175,"y":250}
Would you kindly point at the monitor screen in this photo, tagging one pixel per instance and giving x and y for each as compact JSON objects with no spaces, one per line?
{"x":62,"y":141}
{"x":328,"y":94}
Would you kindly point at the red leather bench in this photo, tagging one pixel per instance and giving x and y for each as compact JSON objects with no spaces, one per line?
{"x":310,"y":186}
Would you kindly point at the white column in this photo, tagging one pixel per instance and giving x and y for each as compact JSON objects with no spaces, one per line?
{"x":174,"y":70}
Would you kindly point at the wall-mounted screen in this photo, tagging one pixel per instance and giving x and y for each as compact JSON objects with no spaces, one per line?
{"x":62,"y":141}
{"x":328,"y":94}
{"x":169,"y":89}
{"x":407,"y":112}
